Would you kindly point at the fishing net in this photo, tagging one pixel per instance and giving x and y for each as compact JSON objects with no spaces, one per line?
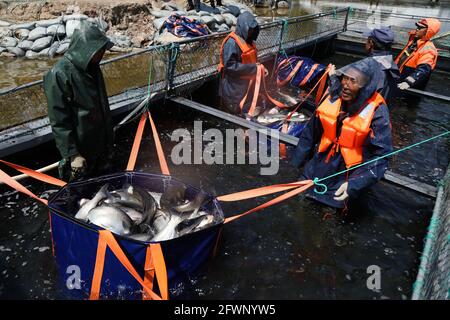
{"x":181,"y":67}
{"x":433,"y":279}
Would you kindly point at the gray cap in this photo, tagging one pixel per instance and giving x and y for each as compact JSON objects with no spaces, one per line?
{"x":383,"y":35}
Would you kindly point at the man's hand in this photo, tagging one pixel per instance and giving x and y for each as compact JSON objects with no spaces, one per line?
{"x":78,"y":166}
{"x":403,"y":85}
{"x":332,"y":70}
{"x":341,"y":193}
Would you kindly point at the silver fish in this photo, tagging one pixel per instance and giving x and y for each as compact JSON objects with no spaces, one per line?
{"x":190,"y":225}
{"x":173,"y":196}
{"x":133,"y":197}
{"x":193,"y":205}
{"x":111,"y":218}
{"x":146,"y":237}
{"x":84,"y":210}
{"x":272,"y":118}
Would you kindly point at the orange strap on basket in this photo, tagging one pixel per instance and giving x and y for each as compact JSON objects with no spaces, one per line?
{"x":6,"y":179}
{"x":309,"y":75}
{"x":35,"y":174}
{"x":137,"y":143}
{"x":259,"y":192}
{"x":154,"y":258}
{"x":281,"y":83}
{"x":159,"y":150}
{"x":107,"y":240}
{"x":306,"y":184}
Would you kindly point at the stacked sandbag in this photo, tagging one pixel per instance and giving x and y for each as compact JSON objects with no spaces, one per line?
{"x":219,"y":19}
{"x":44,"y":38}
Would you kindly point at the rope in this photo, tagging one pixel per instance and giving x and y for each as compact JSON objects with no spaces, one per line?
{"x":317,"y":180}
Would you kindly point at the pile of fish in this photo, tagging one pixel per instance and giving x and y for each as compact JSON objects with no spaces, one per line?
{"x":273,"y":115}
{"x":146,"y":216}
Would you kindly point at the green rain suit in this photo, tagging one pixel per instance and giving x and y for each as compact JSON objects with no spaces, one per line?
{"x":78,"y":106}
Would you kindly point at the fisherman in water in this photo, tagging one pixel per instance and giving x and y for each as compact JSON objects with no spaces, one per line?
{"x":350,"y":127}
{"x":78,"y":106}
{"x":379,"y":47}
{"x":238,"y":65}
{"x":418,"y":59}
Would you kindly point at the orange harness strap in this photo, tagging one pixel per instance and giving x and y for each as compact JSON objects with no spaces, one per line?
{"x":137,"y":143}
{"x":259,"y":192}
{"x":6,"y":179}
{"x":106,"y":239}
{"x":35,"y":174}
{"x":281,"y":83}
{"x":154,"y":262}
{"x":321,"y":82}
{"x":310,"y":73}
{"x":159,"y":150}
{"x":154,"y":259}
{"x":259,"y":80}
{"x":306,"y":184}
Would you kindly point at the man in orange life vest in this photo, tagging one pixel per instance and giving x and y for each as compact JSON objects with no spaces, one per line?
{"x":238,"y":65}
{"x":418,"y":59}
{"x":350,"y":126}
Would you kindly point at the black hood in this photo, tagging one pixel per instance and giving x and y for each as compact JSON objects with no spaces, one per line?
{"x":245,"y":22}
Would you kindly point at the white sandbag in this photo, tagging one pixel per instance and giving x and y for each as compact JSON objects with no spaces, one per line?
{"x":16,"y":51}
{"x":2,"y":49}
{"x":31,"y":54}
{"x":37,"y":33}
{"x":5,"y":32}
{"x":41,"y":43}
{"x":160,"y":13}
{"x":56,"y":30}
{"x":158,"y":23}
{"x":219,"y":18}
{"x":76,"y":16}
{"x":4,"y":23}
{"x":25,"y":45}
{"x":63,"y":46}
{"x":22,"y":34}
{"x":71,"y":26}
{"x":223,"y":27}
{"x":230,"y":19}
{"x":209,"y":20}
{"x":8,"y":42}
{"x":50,"y":22}
{"x":27,"y":25}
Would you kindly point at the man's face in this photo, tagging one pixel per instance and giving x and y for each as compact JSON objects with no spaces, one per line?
{"x":421,"y":32}
{"x":98,"y":57}
{"x":350,"y":88}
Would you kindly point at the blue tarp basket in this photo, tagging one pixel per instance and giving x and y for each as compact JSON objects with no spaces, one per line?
{"x":306,"y":75}
{"x":75,"y":242}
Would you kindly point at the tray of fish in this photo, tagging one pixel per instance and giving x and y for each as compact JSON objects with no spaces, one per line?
{"x":146,"y":216}
{"x":139,"y":209}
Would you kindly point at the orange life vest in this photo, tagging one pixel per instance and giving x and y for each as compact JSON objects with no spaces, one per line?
{"x":354,"y":131}
{"x":425,"y":53}
{"x":249,"y":53}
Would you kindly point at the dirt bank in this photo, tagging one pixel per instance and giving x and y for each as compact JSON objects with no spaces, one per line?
{"x":128,"y":17}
